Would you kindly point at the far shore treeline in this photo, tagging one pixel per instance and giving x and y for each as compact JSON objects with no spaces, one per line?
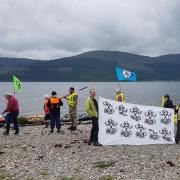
{"x":91,"y":66}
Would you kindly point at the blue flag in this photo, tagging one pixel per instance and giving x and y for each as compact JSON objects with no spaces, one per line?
{"x":124,"y":75}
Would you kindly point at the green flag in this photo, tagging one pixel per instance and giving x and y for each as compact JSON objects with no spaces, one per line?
{"x":17,"y":84}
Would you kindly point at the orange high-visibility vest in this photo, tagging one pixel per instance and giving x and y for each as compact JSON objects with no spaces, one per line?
{"x":54,"y":101}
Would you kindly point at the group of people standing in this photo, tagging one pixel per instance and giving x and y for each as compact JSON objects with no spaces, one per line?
{"x":52,"y":106}
{"x":53,"y":103}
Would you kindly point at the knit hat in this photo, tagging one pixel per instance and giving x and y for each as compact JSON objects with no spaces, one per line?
{"x":54,"y":93}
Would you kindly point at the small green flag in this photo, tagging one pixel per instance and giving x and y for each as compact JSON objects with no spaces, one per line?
{"x":17,"y":84}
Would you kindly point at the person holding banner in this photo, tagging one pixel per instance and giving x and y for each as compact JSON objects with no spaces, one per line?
{"x":177,"y":138}
{"x":167,"y":102}
{"x":92,"y":110}
{"x":13,"y":112}
{"x":119,"y":96}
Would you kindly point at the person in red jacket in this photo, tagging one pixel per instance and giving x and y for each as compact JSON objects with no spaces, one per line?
{"x":13,"y":112}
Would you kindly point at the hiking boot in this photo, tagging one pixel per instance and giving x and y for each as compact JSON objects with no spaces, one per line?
{"x":16,"y":132}
{"x":177,"y":142}
{"x":52,"y":130}
{"x":73,"y":129}
{"x":70,"y":128}
{"x":97,"y":144}
{"x":5,"y":133}
{"x":58,"y":130}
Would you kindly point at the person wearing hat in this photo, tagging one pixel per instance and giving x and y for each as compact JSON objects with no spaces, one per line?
{"x":46,"y":111}
{"x":119,"y":95}
{"x":167,"y":102}
{"x":13,"y":112}
{"x":54,"y":104}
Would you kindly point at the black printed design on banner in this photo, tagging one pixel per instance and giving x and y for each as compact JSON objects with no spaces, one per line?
{"x":126,"y":132}
{"x":165,"y":117}
{"x":111,"y":124}
{"x":150,"y":117}
{"x":135,"y":113}
{"x":153,"y":135}
{"x":122,"y":110}
{"x":109,"y":108}
{"x":141,"y":133}
{"x":165,"y":133}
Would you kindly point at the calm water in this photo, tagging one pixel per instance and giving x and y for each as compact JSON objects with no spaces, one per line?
{"x":146,"y":93}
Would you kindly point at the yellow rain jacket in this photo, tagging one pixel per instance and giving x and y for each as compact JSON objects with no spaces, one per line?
{"x":71,"y":99}
{"x":90,"y":108}
{"x":176,"y":116}
{"x":120,"y":95}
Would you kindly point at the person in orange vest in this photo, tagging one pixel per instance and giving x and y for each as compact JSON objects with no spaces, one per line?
{"x":46,"y":111}
{"x":119,"y":96}
{"x":54,"y":104}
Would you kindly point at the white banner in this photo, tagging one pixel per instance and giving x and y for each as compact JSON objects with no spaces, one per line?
{"x":125,"y":123}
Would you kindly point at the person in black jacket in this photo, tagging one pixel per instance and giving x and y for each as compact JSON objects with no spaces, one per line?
{"x":54,"y":104}
{"x":168,"y":102}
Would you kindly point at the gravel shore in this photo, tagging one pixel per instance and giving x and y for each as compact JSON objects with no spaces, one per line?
{"x":34,"y":154}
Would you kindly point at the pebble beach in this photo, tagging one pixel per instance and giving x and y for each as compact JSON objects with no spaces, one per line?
{"x":37,"y":155}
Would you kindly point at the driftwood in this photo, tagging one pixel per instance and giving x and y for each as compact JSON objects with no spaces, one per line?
{"x":40,"y":120}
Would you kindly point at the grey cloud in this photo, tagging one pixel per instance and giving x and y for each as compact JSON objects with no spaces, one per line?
{"x":46,"y":29}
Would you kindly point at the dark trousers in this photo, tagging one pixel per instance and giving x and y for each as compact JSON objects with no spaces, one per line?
{"x":177,"y":138}
{"x":46,"y":119}
{"x":12,"y":117}
{"x":55,"y":120}
{"x":94,"y":130}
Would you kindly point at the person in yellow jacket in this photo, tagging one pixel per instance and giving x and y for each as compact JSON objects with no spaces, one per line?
{"x":119,"y":96}
{"x":72,"y":100}
{"x":92,"y":110}
{"x":176,"y":111}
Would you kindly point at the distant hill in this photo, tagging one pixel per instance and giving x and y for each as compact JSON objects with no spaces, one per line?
{"x":92,"y":66}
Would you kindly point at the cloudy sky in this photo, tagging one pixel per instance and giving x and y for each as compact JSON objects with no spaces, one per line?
{"x":48,"y":29}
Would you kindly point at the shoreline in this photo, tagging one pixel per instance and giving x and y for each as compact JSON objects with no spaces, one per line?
{"x":35,"y":154}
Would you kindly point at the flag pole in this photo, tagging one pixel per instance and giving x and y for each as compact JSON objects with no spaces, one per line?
{"x":80,"y":89}
{"x":119,"y":84}
{"x":14,"y":88}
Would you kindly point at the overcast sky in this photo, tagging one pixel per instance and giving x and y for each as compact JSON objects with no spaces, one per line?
{"x":48,"y":29}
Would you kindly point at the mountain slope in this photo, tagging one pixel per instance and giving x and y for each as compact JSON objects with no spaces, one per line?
{"x":92,"y":66}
